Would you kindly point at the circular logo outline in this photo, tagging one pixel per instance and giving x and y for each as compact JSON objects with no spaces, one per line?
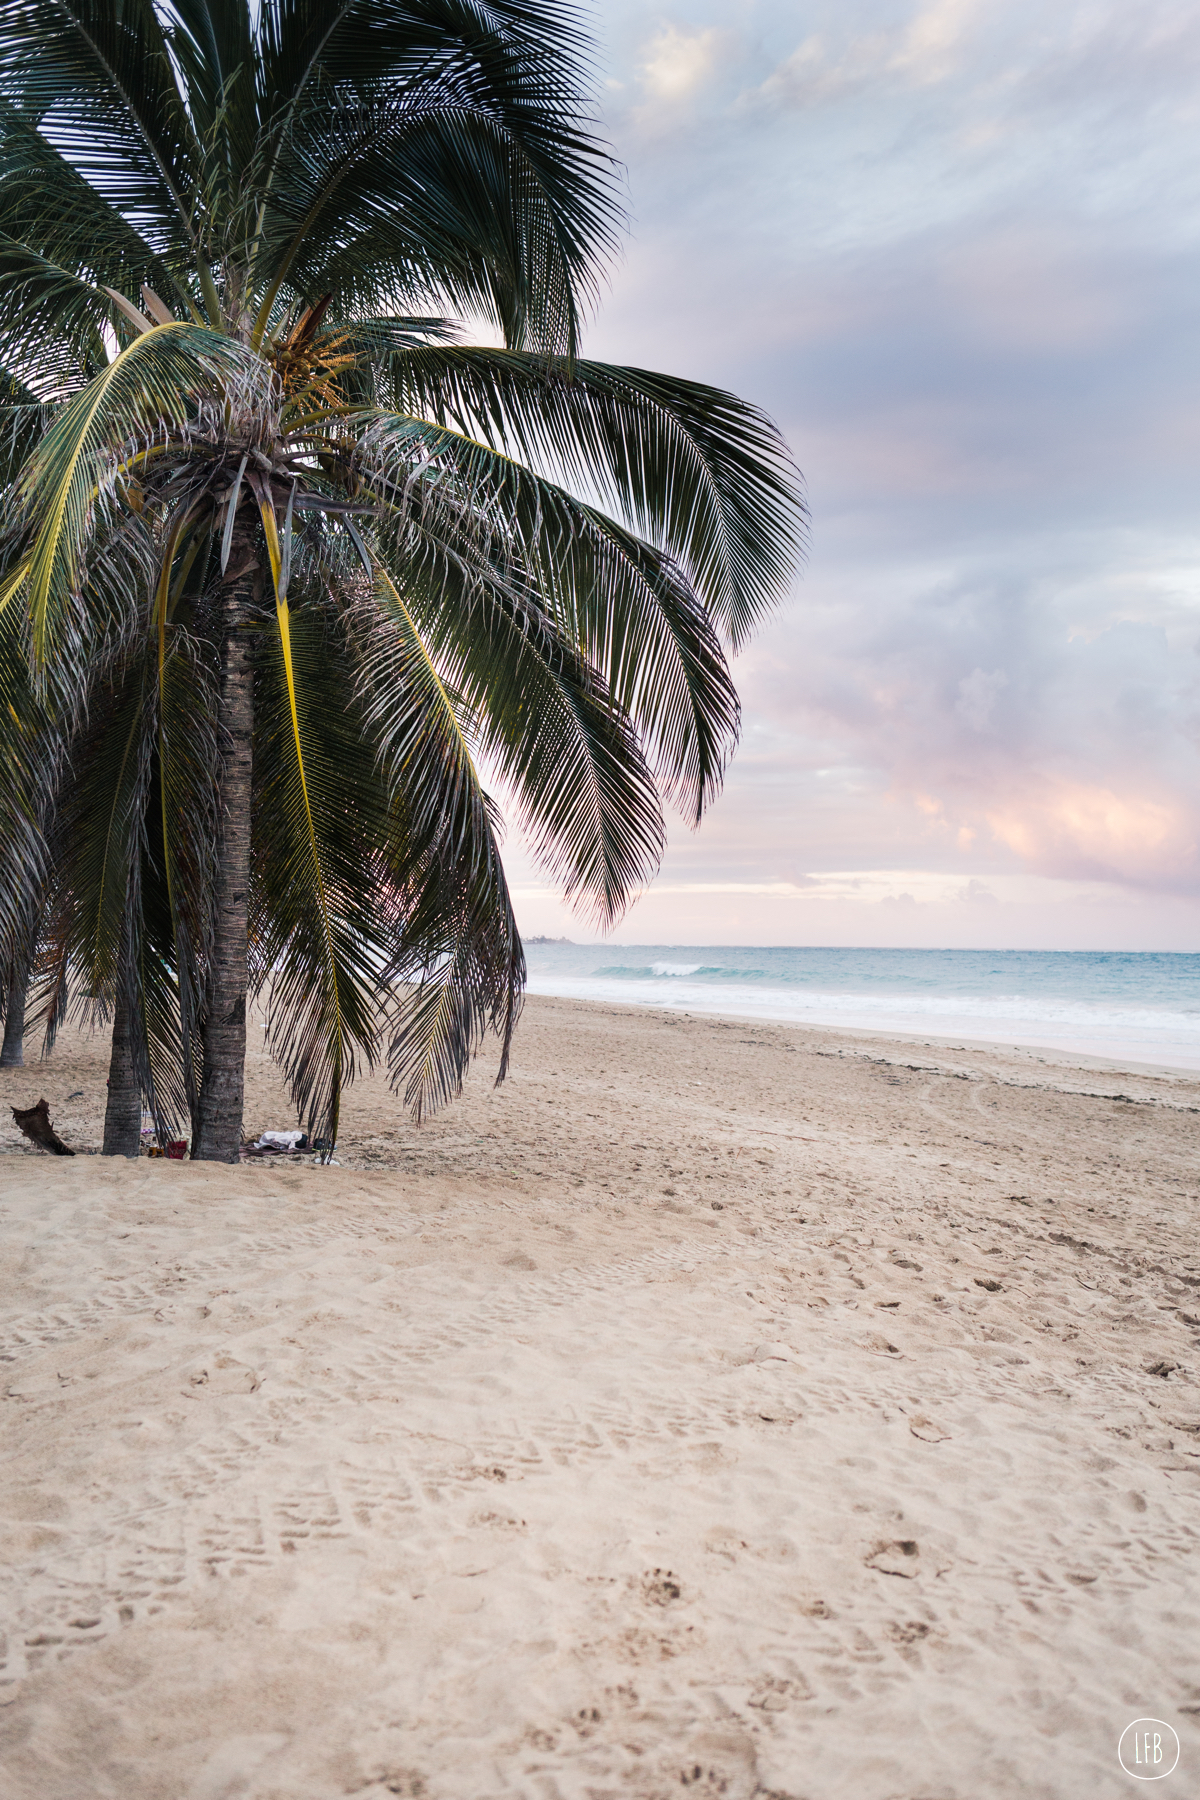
{"x":1133,"y":1773}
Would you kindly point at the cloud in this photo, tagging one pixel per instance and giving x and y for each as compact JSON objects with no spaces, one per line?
{"x":931,"y":45}
{"x":924,"y":52}
{"x":1083,"y":828}
{"x":677,"y":62}
{"x":974,"y":723}
{"x":1031,"y":288}
{"x":977,"y":695}
{"x":813,"y":73}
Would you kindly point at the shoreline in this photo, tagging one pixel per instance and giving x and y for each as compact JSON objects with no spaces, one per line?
{"x":82,"y":1055}
{"x":1052,"y":1051}
{"x":1059,"y":1055}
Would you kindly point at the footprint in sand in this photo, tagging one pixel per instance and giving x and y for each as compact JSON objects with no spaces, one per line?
{"x":900,"y":1557}
{"x":220,"y":1375}
{"x":661,"y":1587}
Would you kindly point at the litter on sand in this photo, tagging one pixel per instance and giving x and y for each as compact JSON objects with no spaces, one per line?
{"x":282,"y":1140}
{"x":277,"y":1143}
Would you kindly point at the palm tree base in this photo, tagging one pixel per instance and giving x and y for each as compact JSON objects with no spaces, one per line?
{"x":123,"y":1110}
{"x":219,"y":1129}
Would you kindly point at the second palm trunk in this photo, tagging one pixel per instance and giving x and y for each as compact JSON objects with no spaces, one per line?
{"x":218,"y":1133}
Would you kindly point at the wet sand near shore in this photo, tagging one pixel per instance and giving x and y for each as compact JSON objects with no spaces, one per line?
{"x":715,"y":1408}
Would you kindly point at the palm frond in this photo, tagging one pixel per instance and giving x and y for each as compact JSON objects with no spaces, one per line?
{"x":23,"y":419}
{"x":466,"y":972}
{"x":47,"y":206}
{"x":52,"y":330}
{"x":322,"y":920}
{"x":509,"y":156}
{"x":625,"y":605}
{"x":704,"y":476}
{"x":99,"y":822}
{"x":32,"y":745}
{"x":212,"y":44}
{"x":457,"y":956}
{"x":103,"y":75}
{"x":149,"y":391}
{"x":543,"y":716}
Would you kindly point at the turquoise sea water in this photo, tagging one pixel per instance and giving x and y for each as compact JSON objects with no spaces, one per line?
{"x":1128,"y":1006}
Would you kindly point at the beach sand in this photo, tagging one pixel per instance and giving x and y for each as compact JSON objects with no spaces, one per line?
{"x":715,"y":1409}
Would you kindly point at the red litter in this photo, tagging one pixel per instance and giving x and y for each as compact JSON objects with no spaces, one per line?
{"x":178,"y":1149}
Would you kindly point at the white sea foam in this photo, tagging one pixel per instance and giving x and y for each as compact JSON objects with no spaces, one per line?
{"x":1125,"y":1007}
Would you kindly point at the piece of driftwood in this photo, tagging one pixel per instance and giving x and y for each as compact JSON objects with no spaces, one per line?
{"x":35,"y":1123}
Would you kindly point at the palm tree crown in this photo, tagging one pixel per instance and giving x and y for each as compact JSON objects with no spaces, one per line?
{"x":282,"y":560}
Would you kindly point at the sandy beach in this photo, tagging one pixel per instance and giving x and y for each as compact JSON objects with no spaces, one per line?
{"x":714,"y":1409}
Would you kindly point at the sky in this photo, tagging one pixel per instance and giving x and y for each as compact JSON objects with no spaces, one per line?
{"x":954,"y":250}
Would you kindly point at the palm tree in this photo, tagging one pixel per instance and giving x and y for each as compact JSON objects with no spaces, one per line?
{"x":290,"y":562}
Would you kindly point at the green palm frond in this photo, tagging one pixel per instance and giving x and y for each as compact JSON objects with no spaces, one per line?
{"x":625,"y":604}
{"x":49,"y":209}
{"x":24,"y":417}
{"x":464,"y":216}
{"x":585,"y":795}
{"x":461,"y":971}
{"x":105,"y":74}
{"x":514,"y":192}
{"x":99,"y":821}
{"x":323,"y":918}
{"x":644,"y":627}
{"x":420,"y":728}
{"x":148,"y":392}
{"x":32,"y":741}
{"x":54,"y":332}
{"x":212,"y":43}
{"x":458,"y":956}
{"x":698,"y":472}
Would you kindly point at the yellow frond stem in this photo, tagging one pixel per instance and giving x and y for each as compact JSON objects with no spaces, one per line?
{"x":264,"y":313}
{"x":451,"y":716}
{"x":12,"y":583}
{"x":208,"y":288}
{"x":143,"y":456}
{"x":46,"y":547}
{"x":272,"y":535}
{"x":283,"y":620}
{"x":185,"y":569}
{"x":162,"y":592}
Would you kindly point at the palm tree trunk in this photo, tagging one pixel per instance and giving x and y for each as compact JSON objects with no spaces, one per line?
{"x":12,"y":1055}
{"x":123,"y":1113}
{"x":218,"y":1133}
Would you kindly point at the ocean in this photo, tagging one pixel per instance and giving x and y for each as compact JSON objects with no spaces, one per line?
{"x":1126,"y":1006}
